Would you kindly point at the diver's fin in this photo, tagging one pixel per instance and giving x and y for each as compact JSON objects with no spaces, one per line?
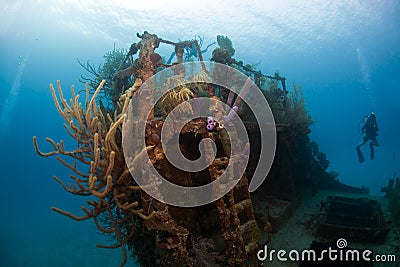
{"x":371,"y":147}
{"x":360,"y":155}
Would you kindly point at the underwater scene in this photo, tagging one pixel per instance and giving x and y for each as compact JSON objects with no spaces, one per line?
{"x":200,"y":133}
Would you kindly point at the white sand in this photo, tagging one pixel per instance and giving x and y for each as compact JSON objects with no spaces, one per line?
{"x":299,"y":231}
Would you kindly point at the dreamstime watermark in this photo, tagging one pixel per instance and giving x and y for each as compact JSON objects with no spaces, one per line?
{"x":134,"y":127}
{"x":340,"y":253}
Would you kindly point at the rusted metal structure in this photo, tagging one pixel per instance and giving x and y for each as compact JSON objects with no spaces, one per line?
{"x":223,"y":233}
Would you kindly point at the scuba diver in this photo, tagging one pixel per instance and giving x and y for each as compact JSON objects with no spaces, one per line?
{"x":370,"y":132}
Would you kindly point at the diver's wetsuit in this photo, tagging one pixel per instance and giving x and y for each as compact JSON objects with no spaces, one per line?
{"x":370,"y":131}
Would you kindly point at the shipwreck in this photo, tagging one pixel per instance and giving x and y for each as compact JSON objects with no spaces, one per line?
{"x":229,"y":230}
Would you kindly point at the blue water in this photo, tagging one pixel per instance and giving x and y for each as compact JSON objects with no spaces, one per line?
{"x":345,"y":54}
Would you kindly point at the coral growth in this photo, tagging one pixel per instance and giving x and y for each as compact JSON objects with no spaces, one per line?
{"x":204,"y":254}
{"x":276,"y":99}
{"x":98,"y":136}
{"x":220,"y":55}
{"x":114,"y":60}
{"x":116,"y":202}
{"x":321,"y":159}
{"x":179,"y":94}
{"x":226,"y":44}
{"x":296,"y":113}
{"x":122,"y":209}
{"x":190,"y":50}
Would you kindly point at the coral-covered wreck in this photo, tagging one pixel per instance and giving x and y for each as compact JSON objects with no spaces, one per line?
{"x":226,"y":232}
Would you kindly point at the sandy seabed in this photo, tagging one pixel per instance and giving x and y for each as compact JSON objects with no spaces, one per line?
{"x":300,"y":230}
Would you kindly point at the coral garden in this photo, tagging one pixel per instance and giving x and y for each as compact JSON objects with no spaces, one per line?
{"x":227,"y":232}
